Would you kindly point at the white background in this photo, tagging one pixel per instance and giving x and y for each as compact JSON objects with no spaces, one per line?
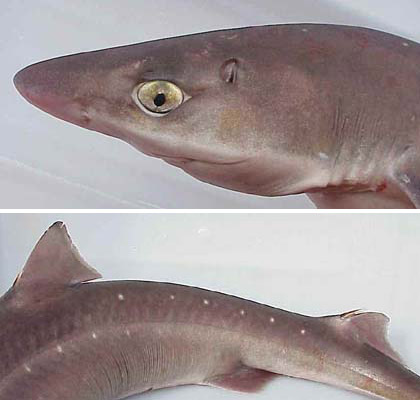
{"x":315,"y":264}
{"x":47,"y":163}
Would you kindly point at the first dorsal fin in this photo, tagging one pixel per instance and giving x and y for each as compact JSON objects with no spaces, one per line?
{"x":54,"y":263}
{"x":367,"y":327}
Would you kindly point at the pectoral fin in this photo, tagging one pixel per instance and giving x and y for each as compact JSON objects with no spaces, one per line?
{"x":407,"y":176}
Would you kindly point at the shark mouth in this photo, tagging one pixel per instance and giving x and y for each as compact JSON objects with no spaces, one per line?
{"x":182,"y":161}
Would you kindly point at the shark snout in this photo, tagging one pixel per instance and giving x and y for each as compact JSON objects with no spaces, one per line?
{"x":28,"y":86}
{"x":39,"y":85}
{"x":49,"y":88}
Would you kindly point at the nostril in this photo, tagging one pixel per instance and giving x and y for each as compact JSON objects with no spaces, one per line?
{"x":86,"y":119}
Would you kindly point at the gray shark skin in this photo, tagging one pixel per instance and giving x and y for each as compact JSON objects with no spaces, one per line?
{"x":65,"y":338}
{"x":332,"y":111}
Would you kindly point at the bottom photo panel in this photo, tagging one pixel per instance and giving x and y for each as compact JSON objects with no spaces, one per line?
{"x":209,"y":306}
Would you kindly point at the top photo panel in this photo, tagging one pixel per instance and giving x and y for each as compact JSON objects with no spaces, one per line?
{"x":215,"y":104}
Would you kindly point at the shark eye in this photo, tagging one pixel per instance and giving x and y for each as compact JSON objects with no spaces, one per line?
{"x":158,"y":97}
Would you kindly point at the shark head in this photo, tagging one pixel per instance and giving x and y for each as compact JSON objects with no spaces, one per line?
{"x":219,"y":105}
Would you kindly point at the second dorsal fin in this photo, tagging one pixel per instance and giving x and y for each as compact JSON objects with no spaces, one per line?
{"x":54,"y":263}
{"x":368,"y":327}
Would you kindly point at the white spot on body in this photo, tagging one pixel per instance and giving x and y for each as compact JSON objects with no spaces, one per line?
{"x":94,"y":335}
{"x":303,"y":332}
{"x":304,"y":30}
{"x":323,"y":156}
{"x":405,"y":178}
{"x":242,"y":312}
{"x":206,"y":302}
{"x":127,"y":332}
{"x":172,"y":297}
{"x":27,"y":368}
{"x":59,"y":349}
{"x":272,"y":320}
{"x":121,"y":297}
{"x":405,"y":44}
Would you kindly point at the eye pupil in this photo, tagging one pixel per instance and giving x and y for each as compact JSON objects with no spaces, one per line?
{"x":159,"y":100}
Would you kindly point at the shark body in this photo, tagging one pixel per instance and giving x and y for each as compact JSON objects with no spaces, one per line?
{"x":65,"y":338}
{"x":331,"y":111}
